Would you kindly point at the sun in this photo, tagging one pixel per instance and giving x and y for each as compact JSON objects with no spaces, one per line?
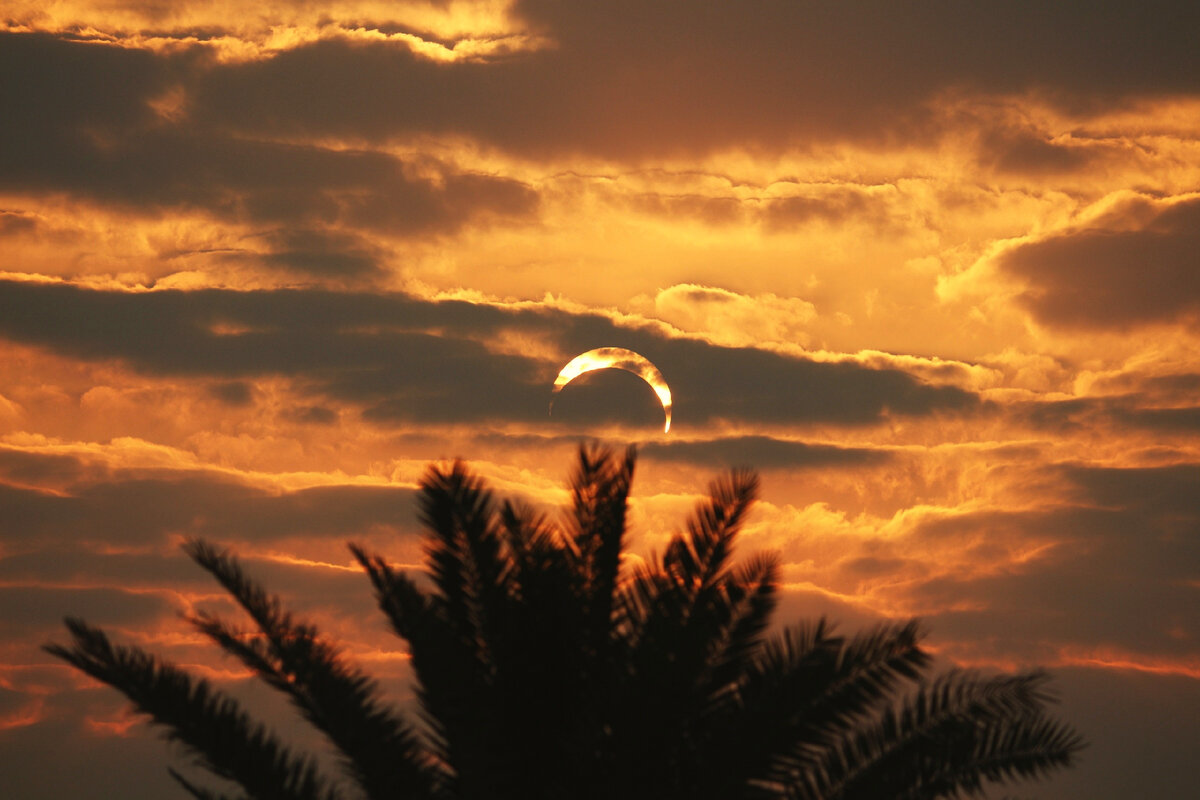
{"x":617,"y":358}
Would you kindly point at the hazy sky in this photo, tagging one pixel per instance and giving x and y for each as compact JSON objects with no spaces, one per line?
{"x":933,"y":268}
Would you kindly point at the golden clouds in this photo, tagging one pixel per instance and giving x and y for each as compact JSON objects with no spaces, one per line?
{"x":731,"y":318}
{"x":464,"y":29}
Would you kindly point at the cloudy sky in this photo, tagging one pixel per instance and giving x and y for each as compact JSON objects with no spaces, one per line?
{"x":931,"y":268}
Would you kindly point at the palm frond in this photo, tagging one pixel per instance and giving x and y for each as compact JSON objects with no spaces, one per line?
{"x":380,"y":749}
{"x":948,"y":738}
{"x":464,"y":553}
{"x":406,"y":606}
{"x":760,"y":719}
{"x":752,"y":599}
{"x":448,"y":682}
{"x":686,"y":622}
{"x":600,"y":488}
{"x":199,"y":792}
{"x":699,"y":558}
{"x":866,"y":671}
{"x":211,"y":725}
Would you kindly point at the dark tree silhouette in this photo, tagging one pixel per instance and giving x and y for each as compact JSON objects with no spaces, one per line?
{"x":547,"y":670}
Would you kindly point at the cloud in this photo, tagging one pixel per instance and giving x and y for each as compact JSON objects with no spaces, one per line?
{"x":1122,"y":572}
{"x":837,"y":206}
{"x":762,"y":452}
{"x":46,"y":469}
{"x":1136,"y":265}
{"x":739,"y":172}
{"x":442,"y":31}
{"x":322,"y":253}
{"x":34,"y":610}
{"x":1171,"y":420}
{"x":102,"y":765}
{"x":732,"y":318}
{"x":233,"y":393}
{"x":1027,"y":152}
{"x":404,"y":359}
{"x":1160,"y":493}
{"x":1168,"y":385}
{"x":715,"y":211}
{"x":13,"y":223}
{"x":1122,"y":413}
{"x":69,"y":88}
{"x":147,"y":507}
{"x":50,"y":564}
{"x":312,"y":415}
{"x":99,"y":139}
{"x":632,"y":81}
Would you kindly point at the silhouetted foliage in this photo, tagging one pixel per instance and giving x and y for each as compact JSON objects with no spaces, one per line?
{"x":546,"y":670}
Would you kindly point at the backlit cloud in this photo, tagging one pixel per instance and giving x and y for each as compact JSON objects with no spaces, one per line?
{"x":1134,"y":265}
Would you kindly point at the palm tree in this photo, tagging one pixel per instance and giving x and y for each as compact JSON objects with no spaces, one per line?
{"x":547,"y":669}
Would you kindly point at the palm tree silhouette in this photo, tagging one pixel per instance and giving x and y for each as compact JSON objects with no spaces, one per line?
{"x":547,"y":670}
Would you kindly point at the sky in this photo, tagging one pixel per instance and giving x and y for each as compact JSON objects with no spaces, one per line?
{"x":931,"y":268}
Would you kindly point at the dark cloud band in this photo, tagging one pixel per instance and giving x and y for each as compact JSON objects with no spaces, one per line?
{"x":404,"y":359}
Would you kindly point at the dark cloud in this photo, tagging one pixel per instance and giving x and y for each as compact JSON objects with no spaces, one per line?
{"x":12,"y":222}
{"x":146,"y":508}
{"x":725,"y":383}
{"x":763,"y":452}
{"x":1029,"y":153}
{"x":1157,"y":492}
{"x":233,"y":393}
{"x":1122,"y":573}
{"x":54,"y":89}
{"x":12,"y":702}
{"x":30,"y":610}
{"x":870,"y":567}
{"x":636,"y":80}
{"x":59,"y":563}
{"x":81,"y":121}
{"x":306,"y":588}
{"x":98,"y":766}
{"x":51,"y":469}
{"x":322,"y":253}
{"x":1172,"y":420}
{"x":1172,"y":388}
{"x":1119,"y":412}
{"x":837,"y":206}
{"x":312,"y":415}
{"x":402,"y":359}
{"x":265,"y":183}
{"x":630,"y":80}
{"x":1139,"y":269}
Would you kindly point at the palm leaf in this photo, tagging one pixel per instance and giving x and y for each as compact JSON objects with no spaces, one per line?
{"x":449,"y":683}
{"x":600,"y":488}
{"x":211,"y":725}
{"x":943,"y":741}
{"x":464,"y":554}
{"x":199,"y":792}
{"x":380,"y":749}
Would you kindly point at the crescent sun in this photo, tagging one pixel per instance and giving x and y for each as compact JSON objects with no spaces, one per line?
{"x":616,"y":358}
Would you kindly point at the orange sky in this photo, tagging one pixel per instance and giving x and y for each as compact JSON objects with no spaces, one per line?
{"x":932,"y":270}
